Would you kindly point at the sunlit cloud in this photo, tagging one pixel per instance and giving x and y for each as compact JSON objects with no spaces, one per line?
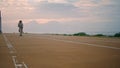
{"x":57,"y":1}
{"x":92,"y":3}
{"x":85,"y":3}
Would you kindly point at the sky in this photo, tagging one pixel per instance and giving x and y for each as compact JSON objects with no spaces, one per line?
{"x":61,"y":16}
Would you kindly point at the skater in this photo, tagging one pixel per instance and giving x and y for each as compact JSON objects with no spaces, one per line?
{"x":20,"y":25}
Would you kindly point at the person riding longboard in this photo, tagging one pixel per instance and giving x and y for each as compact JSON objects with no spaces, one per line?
{"x":20,"y":25}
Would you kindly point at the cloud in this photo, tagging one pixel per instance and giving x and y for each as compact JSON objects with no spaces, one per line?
{"x":72,"y":1}
{"x":57,"y":10}
{"x":72,"y":27}
{"x":50,"y":27}
{"x":57,"y":1}
{"x":106,"y":10}
{"x":71,"y":15}
{"x":16,"y":9}
{"x":109,"y":11}
{"x":50,"y":1}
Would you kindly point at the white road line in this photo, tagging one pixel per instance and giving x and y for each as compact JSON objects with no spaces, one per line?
{"x":12,"y":50}
{"x":9,"y":45}
{"x":24,"y":65}
{"x":14,"y":61}
{"x":110,"y":47}
{"x":17,"y":64}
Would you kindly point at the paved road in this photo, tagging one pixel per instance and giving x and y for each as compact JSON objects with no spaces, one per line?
{"x":5,"y":57}
{"x":51,"y":51}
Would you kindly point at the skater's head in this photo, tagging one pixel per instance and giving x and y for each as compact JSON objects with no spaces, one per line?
{"x":20,"y":21}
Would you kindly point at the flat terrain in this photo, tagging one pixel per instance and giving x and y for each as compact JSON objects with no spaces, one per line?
{"x":55,"y":51}
{"x":5,"y":57}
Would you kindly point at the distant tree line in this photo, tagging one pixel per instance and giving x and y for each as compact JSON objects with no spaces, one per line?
{"x":117,"y":35}
{"x":96,"y":35}
{"x":85,"y":34}
{"x":80,"y":34}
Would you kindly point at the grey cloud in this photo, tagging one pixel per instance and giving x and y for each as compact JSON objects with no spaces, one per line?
{"x":72,"y":1}
{"x":73,"y":27}
{"x":9,"y":27}
{"x":96,"y":1}
{"x":116,"y":2}
{"x":58,"y":10}
{"x":50,"y":27}
{"x":109,"y":11}
{"x":66,"y":27}
{"x":93,"y":27}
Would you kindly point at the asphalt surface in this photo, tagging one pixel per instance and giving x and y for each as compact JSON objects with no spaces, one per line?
{"x":55,"y":51}
{"x":5,"y":56}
